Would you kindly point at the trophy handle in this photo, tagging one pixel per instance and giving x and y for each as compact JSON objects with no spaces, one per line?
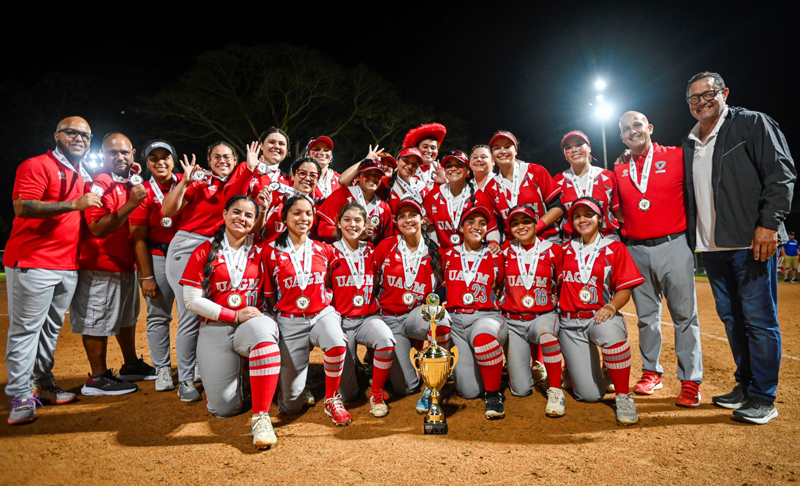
{"x":453,"y":358}
{"x":414,"y":356}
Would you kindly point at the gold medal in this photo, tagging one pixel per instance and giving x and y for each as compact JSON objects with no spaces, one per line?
{"x":585,"y":295}
{"x":302,"y":302}
{"x":234,"y":301}
{"x":409,"y":298}
{"x":528,"y":301}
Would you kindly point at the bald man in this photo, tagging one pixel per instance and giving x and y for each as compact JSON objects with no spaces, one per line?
{"x":106,"y":301}
{"x":41,"y":264}
{"x":650,"y":183}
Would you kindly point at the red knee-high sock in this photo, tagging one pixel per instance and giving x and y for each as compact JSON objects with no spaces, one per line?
{"x":265,"y":365}
{"x":617,"y":359}
{"x":334,"y":364}
{"x":442,"y":336}
{"x":489,"y":356}
{"x":536,"y":353}
{"x":551,"y":356}
{"x":381,"y":363}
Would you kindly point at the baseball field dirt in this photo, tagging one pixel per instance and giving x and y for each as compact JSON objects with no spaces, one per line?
{"x":150,"y":437}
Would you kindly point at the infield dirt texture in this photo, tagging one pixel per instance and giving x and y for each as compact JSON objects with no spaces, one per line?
{"x":150,"y":437}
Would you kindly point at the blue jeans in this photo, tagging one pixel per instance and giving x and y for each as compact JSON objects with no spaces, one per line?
{"x":746,"y":293}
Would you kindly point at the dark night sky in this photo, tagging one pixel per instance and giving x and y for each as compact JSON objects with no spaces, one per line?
{"x":528,"y":69}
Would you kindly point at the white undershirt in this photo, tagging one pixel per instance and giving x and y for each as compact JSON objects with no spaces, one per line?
{"x":702,"y":167}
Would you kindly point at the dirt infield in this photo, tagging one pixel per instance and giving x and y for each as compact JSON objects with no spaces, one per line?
{"x":148,"y":436}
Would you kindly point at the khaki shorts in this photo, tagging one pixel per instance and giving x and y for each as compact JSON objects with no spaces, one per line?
{"x":790,"y":262}
{"x":104,"y":303}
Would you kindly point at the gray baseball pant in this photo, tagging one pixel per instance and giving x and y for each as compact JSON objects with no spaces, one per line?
{"x":467,"y":373}
{"x":368,"y":331}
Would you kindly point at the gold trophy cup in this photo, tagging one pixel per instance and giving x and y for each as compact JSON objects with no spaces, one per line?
{"x":434,"y":365}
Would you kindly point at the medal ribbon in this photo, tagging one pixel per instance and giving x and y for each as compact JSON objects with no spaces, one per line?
{"x":158,"y":195}
{"x":648,"y":162}
{"x":355,"y":260}
{"x":411,"y":261}
{"x":303,"y":271}
{"x":408,"y":189}
{"x":81,"y":169}
{"x":455,"y":204}
{"x":512,"y":187}
{"x":592,"y":176}
{"x":529,"y":259}
{"x":236,"y":260}
{"x":370,"y":208}
{"x":586,"y":262}
{"x":470,"y":271}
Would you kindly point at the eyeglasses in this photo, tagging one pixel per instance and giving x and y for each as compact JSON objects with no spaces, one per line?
{"x":708,"y":96}
{"x":303,"y":174}
{"x":226,"y":157}
{"x":73,"y":134}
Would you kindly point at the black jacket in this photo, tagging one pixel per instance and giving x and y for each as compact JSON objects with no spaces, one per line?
{"x":753,"y":176}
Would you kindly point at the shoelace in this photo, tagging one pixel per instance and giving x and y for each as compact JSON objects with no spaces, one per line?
{"x":380,"y":396}
{"x":21,"y":402}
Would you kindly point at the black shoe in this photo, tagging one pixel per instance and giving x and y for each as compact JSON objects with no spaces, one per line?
{"x":107,"y":384}
{"x":139,"y":371}
{"x":786,"y":280}
{"x":494,"y":405}
{"x":732,"y":400}
{"x":756,"y":411}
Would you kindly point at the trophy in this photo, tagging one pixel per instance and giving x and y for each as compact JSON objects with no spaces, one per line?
{"x":434,"y":365}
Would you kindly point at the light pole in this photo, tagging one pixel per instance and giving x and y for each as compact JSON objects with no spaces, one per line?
{"x":603,"y":113}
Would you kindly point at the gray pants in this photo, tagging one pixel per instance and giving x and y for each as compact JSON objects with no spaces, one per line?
{"x":159,"y":315}
{"x":403,"y":376}
{"x":369,"y":331}
{"x":298,"y":336}
{"x":465,"y":327}
{"x":180,"y":250}
{"x":579,"y":339}
{"x":37,"y":302}
{"x":518,"y":356}
{"x":668,"y":271}
{"x":220,"y":348}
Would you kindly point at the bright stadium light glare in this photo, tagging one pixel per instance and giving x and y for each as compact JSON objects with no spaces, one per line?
{"x":600,"y":84}
{"x":604,"y":111}
{"x":599,"y":98}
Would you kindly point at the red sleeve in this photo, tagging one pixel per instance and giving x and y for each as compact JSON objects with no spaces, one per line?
{"x":543,"y":178}
{"x":482,"y":200}
{"x":239,"y":182}
{"x":612,"y":179}
{"x":380,"y":253}
{"x":328,"y":215}
{"x":141,"y":215}
{"x":387,"y":220}
{"x":31,"y":181}
{"x":427,"y":205}
{"x":625,"y":274}
{"x":94,"y":214}
{"x":193,"y":274}
{"x":269,"y":269}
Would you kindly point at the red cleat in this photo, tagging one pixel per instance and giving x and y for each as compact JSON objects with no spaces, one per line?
{"x":689,"y":395}
{"x":648,"y":383}
{"x":334,"y":408}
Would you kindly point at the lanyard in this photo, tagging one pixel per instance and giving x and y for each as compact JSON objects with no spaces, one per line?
{"x":354,"y":259}
{"x":527,"y":258}
{"x":455,"y":204}
{"x":586,"y":261}
{"x":512,"y":187}
{"x":408,"y":189}
{"x":81,"y":169}
{"x":158,"y":195}
{"x":370,"y":208}
{"x":236,"y":260}
{"x":302,"y":270}
{"x":470,"y":271}
{"x":411,"y":261}
{"x":576,"y":181}
{"x":648,"y":162}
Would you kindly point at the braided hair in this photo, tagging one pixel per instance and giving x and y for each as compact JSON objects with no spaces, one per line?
{"x":216,"y":240}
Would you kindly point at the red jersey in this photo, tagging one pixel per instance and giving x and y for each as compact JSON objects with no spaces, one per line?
{"x":205,"y":202}
{"x":437,"y":213}
{"x":349,"y":298}
{"x":220,"y":290}
{"x":538,"y":299}
{"x":328,"y":214}
{"x":603,"y":188}
{"x":49,"y":243}
{"x":418,"y":190}
{"x":283,"y":281}
{"x":666,"y":214}
{"x":533,"y":186}
{"x":479,"y":293}
{"x":113,"y":253}
{"x":396,"y":297}
{"x":329,"y":184}
{"x":612,"y":271}
{"x":149,"y":214}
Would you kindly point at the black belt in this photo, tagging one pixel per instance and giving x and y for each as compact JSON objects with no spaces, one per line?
{"x":164,"y":247}
{"x":655,"y":241}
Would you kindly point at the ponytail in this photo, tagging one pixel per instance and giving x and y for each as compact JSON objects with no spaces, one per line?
{"x":436,"y":257}
{"x":216,"y":246}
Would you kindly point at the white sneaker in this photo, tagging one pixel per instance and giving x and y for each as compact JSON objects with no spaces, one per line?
{"x":377,"y":404}
{"x":164,"y":379}
{"x":538,"y":373}
{"x":262,"y":431}
{"x":555,"y":402}
{"x":310,"y":401}
{"x":626,"y":410}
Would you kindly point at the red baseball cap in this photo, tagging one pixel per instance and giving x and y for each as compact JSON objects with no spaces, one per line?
{"x":367,"y":165}
{"x":321,"y":138}
{"x":526,"y":210}
{"x":408,"y":201}
{"x":589,"y":202}
{"x":503,"y":134}
{"x":575,"y":134}
{"x":387,"y":160}
{"x":410,"y":151}
{"x":485,"y":212}
{"x":455,"y":155}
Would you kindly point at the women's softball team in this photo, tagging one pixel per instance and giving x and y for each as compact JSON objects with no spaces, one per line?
{"x":271,"y":258}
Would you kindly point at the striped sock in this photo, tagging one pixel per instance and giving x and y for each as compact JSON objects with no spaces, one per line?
{"x":617,"y":359}
{"x":489,"y":356}
{"x":381,"y":363}
{"x":442,"y":336}
{"x":265,"y":365}
{"x":551,"y":354}
{"x":334,"y":364}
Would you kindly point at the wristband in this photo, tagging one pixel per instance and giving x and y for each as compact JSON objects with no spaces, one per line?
{"x":612,"y":306}
{"x":227,"y":315}
{"x":540,"y":226}
{"x":151,"y":277}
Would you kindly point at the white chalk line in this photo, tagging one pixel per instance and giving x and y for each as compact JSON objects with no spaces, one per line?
{"x":725,"y":339}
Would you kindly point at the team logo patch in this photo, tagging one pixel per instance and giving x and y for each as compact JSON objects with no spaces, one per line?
{"x":661,"y":166}
{"x":97,"y":190}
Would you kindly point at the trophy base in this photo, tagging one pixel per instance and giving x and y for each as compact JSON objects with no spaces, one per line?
{"x":435,"y":428}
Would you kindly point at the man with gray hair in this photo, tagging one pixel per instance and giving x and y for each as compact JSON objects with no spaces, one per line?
{"x":739,"y":184}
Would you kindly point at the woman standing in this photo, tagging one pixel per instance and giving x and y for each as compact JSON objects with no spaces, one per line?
{"x":523,"y":183}
{"x":351,"y":278}
{"x":305,"y":175}
{"x":321,"y":150}
{"x":199,"y":198}
{"x":152,"y":233}
{"x":404,"y":183}
{"x":473,"y":275}
{"x":223,"y":283}
{"x":532,"y":267}
{"x":408,"y":268}
{"x":427,"y":138}
{"x":596,"y":279}
{"x":482,"y":166}
{"x":445,"y":204}
{"x":582,"y":179}
{"x":297,"y":267}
